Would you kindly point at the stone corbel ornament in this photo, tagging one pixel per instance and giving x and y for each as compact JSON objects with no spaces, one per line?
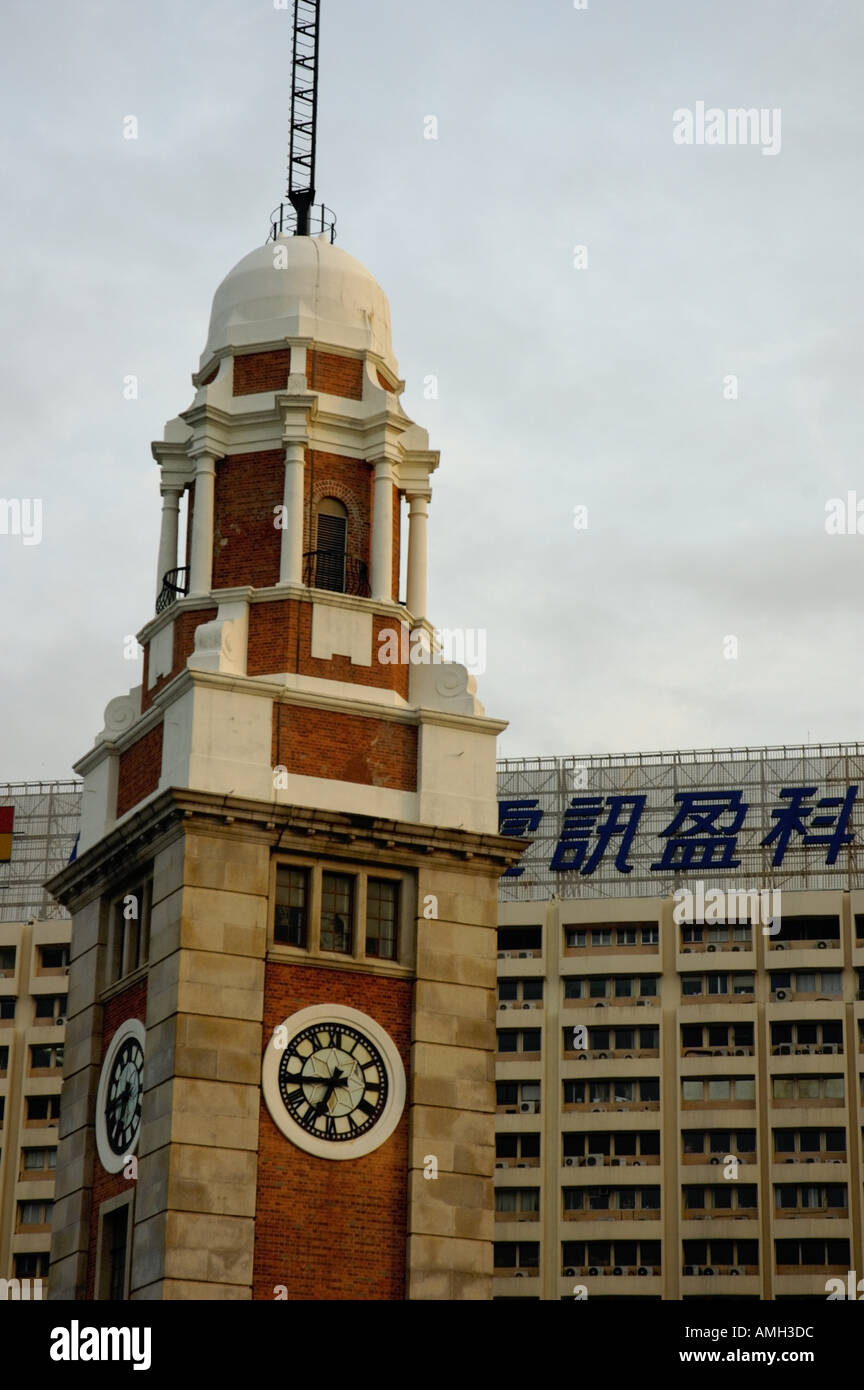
{"x":220,"y":645}
{"x":120,"y":715}
{"x":444,"y":685}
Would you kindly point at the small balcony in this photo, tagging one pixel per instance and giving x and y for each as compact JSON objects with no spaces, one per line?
{"x":333,"y":570}
{"x":175,"y":584}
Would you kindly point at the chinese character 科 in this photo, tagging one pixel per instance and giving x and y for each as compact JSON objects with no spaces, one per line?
{"x":705,"y":844}
{"x":790,"y":821}
{"x":580,"y":821}
{"x":518,"y":818}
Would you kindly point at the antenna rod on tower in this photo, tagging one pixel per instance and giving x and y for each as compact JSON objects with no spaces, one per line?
{"x":303,"y":214}
{"x":304,"y":112}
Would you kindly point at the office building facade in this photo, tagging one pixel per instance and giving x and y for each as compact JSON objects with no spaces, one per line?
{"x":681,"y":1026}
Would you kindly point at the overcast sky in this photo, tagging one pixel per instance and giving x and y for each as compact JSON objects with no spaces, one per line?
{"x":560,"y":386}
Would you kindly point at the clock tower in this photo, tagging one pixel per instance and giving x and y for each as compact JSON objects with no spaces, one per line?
{"x":280,"y":1041}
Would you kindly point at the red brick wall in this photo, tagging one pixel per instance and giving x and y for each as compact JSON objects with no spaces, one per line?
{"x":139,"y":770}
{"x":337,"y":376}
{"x":382,"y":381}
{"x":131,"y":1003}
{"x":246,"y":543}
{"x":325,"y":1229}
{"x":273,"y":647}
{"x":261,"y":371}
{"x":345,"y":747}
{"x":184,"y":645}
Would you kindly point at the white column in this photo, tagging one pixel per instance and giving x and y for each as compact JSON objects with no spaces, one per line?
{"x":291,"y":559}
{"x":382,"y":532}
{"x":201,"y":578}
{"x":168,"y":534}
{"x":418,"y":516}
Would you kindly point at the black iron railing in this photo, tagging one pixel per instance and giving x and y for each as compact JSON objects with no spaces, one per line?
{"x":330,"y":569}
{"x":174,"y":584}
{"x":283,"y":222}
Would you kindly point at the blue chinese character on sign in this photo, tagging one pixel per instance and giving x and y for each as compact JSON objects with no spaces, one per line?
{"x":580,"y":821}
{"x":519,"y":818}
{"x":706,"y":844}
{"x":791,"y":821}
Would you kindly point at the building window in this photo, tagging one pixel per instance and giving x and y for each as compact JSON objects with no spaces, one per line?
{"x":319,"y":908}
{"x":519,"y":1040}
{"x":4,"y":1060}
{"x":7,"y":961}
{"x":53,"y":959}
{"x":42,"y":1110}
{"x":337,"y":913}
{"x":331,"y":544}
{"x":292,"y":906}
{"x":7,"y":1008}
{"x":112,"y":1275}
{"x":130,"y":929}
{"x":50,"y":1006}
{"x":817,"y":1253}
{"x":807,"y":1088}
{"x":32,"y":1265}
{"x":382,"y":917}
{"x":522,"y":1255}
{"x":38,"y":1162}
{"x":518,"y":1201}
{"x":32,"y":1214}
{"x":45,"y":1057}
{"x":518,"y":1148}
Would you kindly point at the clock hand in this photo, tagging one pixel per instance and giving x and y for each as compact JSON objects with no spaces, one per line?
{"x":120,"y":1099}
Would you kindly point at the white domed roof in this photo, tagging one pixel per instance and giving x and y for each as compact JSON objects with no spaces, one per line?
{"x":309,"y":290}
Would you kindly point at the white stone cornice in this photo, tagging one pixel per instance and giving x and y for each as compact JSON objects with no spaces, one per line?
{"x":280,"y":694}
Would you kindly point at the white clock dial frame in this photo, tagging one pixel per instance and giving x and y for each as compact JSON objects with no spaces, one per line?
{"x":393,"y":1107}
{"x":112,"y":1162}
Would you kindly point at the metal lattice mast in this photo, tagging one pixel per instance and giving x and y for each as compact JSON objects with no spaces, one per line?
{"x":299,"y":215}
{"x":304,"y":111}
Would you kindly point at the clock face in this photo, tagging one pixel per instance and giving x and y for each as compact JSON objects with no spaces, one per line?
{"x":333,"y":1081}
{"x":118,"y":1101}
